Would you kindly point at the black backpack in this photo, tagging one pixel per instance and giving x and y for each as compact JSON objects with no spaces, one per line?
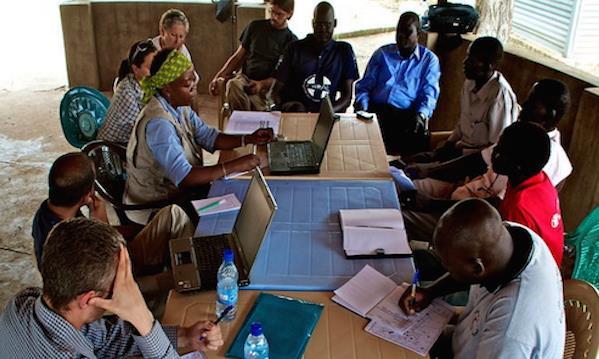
{"x":450,"y":18}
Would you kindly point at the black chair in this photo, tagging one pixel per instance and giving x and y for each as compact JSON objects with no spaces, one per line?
{"x":110,"y":161}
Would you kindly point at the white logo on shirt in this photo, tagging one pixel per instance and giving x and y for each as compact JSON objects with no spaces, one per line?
{"x":555,"y":220}
{"x":316,"y":91}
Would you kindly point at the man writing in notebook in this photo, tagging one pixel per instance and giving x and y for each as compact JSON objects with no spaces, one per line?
{"x":506,"y":266}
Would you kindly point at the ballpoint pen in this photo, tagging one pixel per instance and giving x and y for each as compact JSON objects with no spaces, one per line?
{"x":415,"y":280}
{"x":212,"y":205}
{"x":220,"y":317}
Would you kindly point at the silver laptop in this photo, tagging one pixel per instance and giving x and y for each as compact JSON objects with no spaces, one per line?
{"x":195,"y":261}
{"x":303,"y":157}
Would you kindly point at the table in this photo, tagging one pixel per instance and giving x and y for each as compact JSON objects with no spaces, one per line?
{"x":355,"y":149}
{"x":303,"y":249}
{"x":339,"y":333}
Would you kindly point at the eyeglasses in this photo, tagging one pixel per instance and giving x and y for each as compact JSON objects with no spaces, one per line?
{"x":143,"y":46}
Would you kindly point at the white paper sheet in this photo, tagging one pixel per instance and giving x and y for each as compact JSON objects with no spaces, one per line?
{"x":372,"y":217}
{"x":229,"y":203}
{"x":365,"y":231}
{"x":246,"y":122}
{"x":365,"y":290}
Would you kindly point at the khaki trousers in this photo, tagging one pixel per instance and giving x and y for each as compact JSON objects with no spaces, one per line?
{"x":149,"y":249}
{"x":239,"y":100}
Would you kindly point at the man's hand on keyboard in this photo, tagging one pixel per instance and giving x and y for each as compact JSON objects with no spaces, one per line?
{"x":261,"y":136}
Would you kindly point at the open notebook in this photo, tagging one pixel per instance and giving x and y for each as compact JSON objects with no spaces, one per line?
{"x":374,"y":233}
{"x":374,"y":296}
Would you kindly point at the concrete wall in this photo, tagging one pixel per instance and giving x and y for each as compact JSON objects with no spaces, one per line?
{"x":579,"y":127}
{"x":98,"y":36}
{"x":581,"y":192}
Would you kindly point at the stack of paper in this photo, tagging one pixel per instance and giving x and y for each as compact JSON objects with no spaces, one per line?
{"x":216,"y":205}
{"x":371,"y":232}
{"x":246,"y":122}
{"x":374,"y":296}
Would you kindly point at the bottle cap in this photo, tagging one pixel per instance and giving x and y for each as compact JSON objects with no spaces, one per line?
{"x":256,"y":329}
{"x":228,"y":255}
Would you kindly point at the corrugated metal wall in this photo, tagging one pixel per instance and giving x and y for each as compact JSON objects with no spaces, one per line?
{"x":586,"y":33}
{"x":545,"y":22}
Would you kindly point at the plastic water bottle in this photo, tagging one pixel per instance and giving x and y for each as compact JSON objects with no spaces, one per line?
{"x":256,"y":346}
{"x":226,"y":287}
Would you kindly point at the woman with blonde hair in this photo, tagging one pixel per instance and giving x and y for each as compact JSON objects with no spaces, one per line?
{"x":173,"y":27}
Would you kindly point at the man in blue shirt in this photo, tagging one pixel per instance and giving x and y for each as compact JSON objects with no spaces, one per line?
{"x":317,"y":66}
{"x":401,"y":85}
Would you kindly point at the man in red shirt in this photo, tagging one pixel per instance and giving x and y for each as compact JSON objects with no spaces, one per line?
{"x":530,"y":198}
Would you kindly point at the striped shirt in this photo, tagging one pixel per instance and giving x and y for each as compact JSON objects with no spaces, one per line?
{"x":30,"y":329}
{"x":122,"y":113}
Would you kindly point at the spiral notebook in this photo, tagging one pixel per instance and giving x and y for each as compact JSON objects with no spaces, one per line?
{"x":288,"y":324}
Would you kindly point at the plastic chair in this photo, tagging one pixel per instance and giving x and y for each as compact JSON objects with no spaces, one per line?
{"x":82,"y":112}
{"x":110,"y":160}
{"x":581,"y":304}
{"x":586,"y":243}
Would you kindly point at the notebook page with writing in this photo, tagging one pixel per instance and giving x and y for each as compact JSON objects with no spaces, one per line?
{"x":423,"y":331}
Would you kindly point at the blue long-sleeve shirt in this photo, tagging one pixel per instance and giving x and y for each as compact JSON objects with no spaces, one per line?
{"x":166,"y":146}
{"x":406,"y":83}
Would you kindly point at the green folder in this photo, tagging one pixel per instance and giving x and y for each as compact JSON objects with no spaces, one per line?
{"x":288,"y":324}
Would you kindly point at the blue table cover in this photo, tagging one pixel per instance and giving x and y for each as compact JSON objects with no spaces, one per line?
{"x":304,"y":249}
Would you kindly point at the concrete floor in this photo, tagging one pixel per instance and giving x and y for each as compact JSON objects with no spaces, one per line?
{"x":30,"y":139}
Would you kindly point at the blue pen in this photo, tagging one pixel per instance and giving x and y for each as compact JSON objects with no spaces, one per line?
{"x":415,"y":280}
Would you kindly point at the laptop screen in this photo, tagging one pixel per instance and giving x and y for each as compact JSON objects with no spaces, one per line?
{"x":254,"y":217}
{"x":323,"y":128}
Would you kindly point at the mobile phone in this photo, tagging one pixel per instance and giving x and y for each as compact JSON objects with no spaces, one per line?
{"x":364,"y":115}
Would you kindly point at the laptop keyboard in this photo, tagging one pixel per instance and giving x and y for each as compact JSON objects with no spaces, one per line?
{"x":300,"y":155}
{"x":209,"y":256}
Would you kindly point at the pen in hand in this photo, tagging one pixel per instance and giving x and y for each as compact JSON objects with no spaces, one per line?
{"x":220,"y":317}
{"x":415,"y":280}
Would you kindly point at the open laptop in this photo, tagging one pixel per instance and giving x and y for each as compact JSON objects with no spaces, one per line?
{"x":195,"y":261}
{"x":303,"y":157}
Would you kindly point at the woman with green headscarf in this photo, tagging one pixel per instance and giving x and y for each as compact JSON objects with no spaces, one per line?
{"x":164,"y":155}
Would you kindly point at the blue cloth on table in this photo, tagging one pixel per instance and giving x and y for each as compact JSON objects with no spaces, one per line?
{"x":304,"y":247}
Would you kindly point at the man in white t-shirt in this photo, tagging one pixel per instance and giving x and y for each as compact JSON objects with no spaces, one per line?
{"x":515,"y":307}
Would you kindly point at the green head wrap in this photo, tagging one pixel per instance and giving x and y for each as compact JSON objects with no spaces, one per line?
{"x":174,"y":66}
